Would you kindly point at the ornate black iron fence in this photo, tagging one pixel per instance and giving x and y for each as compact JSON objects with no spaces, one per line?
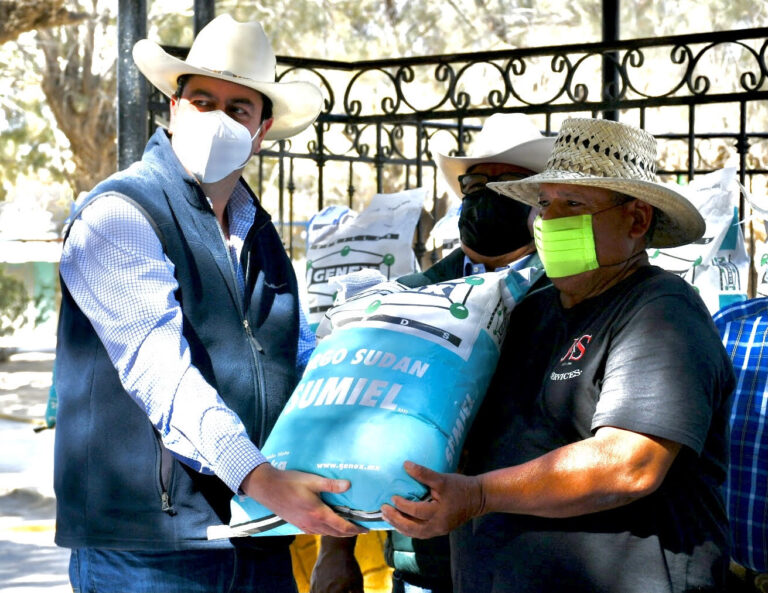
{"x":704,"y":96}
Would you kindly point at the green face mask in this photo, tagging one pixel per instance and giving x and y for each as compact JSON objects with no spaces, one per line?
{"x":566,"y":245}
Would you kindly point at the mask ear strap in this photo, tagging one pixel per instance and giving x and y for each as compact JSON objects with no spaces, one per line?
{"x":258,"y":131}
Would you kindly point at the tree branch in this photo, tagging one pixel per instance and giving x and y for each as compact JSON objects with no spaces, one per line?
{"x":20,"y":16}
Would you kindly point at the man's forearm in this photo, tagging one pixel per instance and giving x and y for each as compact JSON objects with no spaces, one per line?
{"x":609,"y":470}
{"x":329,"y":543}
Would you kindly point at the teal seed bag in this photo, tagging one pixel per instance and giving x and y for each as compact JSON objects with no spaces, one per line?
{"x":398,"y":375}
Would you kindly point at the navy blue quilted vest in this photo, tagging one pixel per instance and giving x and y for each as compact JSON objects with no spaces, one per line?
{"x":116,"y":485}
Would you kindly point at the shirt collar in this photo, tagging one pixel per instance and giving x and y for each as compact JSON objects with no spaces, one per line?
{"x":471,"y":268}
{"x":241,"y":211}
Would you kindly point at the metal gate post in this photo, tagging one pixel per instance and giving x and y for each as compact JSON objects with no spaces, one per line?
{"x":204,"y":13}
{"x":611,"y":88}
{"x":132,"y":92}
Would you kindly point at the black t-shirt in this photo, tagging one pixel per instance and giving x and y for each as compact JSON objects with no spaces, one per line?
{"x":643,"y":356}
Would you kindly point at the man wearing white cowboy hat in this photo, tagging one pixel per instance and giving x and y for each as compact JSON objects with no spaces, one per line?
{"x":596,"y":459}
{"x":180,"y":339}
{"x":494,"y":233}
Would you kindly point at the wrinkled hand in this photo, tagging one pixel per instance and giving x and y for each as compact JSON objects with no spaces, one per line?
{"x":455,"y":500}
{"x":336,"y":569}
{"x":294,"y":496}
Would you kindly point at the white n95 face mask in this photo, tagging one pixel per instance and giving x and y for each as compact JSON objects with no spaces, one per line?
{"x":210,"y":144}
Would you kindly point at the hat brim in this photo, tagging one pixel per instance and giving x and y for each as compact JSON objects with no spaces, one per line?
{"x":295,"y":105}
{"x":678,"y":221}
{"x":532,"y":154}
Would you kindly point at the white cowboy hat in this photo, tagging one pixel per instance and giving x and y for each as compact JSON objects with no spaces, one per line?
{"x":619,"y":157}
{"x":504,"y":138}
{"x":240,"y":53}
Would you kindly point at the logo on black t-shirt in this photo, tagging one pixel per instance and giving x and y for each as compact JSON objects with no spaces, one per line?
{"x":577,"y":349}
{"x":575,"y":353}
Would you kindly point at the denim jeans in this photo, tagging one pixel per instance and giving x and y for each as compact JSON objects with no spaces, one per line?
{"x":233,"y":570}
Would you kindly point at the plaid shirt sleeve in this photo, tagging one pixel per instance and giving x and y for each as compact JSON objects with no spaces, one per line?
{"x":743,"y":328}
{"x":114,"y":267}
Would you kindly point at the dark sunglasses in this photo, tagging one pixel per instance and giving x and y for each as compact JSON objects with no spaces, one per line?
{"x":470,"y":182}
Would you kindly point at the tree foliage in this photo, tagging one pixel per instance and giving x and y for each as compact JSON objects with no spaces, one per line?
{"x":57,"y":108}
{"x":13,"y":303}
{"x":20,"y":16}
{"x":28,"y":143}
{"x":57,"y":87}
{"x":82,"y":98}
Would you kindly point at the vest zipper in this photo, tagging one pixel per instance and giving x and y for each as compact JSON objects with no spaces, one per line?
{"x":166,"y":466}
{"x":255,"y":344}
{"x":247,"y":327}
{"x":166,"y":506}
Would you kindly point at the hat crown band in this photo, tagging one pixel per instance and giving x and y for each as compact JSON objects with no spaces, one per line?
{"x":249,"y":77}
{"x":604,"y":151}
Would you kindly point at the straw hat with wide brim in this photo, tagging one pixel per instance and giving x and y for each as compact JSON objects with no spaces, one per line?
{"x":619,"y":157}
{"x":240,"y":53}
{"x":510,"y":138}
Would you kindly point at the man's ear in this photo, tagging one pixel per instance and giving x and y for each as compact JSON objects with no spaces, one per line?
{"x":642,"y":214}
{"x":174,"y":107}
{"x":265,"y":125}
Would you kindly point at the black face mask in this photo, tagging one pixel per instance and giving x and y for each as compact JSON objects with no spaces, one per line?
{"x":491,"y":224}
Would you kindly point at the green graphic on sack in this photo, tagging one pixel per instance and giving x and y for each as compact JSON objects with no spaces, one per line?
{"x":320,"y":275}
{"x":414,"y":311}
{"x":458,"y":310}
{"x":764,"y":264}
{"x":690,"y":264}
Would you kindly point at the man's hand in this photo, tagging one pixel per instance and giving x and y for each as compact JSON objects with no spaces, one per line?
{"x":611,"y":469}
{"x":336,"y":569}
{"x":455,"y":499}
{"x":294,"y":496}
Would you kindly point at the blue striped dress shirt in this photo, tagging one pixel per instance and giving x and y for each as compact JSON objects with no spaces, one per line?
{"x":114,"y":266}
